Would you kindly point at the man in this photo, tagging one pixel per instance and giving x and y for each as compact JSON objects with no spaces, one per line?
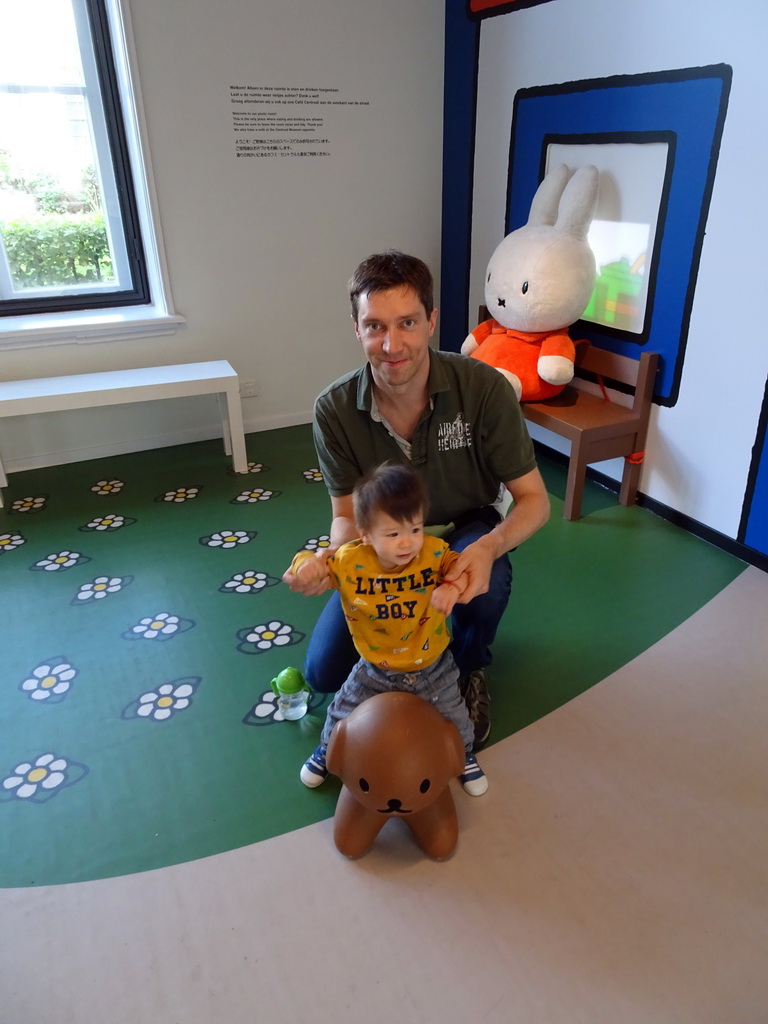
{"x":459,"y":424}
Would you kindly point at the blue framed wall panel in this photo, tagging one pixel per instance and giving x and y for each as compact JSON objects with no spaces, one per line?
{"x":688,"y":106}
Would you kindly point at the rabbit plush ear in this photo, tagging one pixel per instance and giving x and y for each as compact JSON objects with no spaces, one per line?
{"x":544,"y":205}
{"x":579,"y":202}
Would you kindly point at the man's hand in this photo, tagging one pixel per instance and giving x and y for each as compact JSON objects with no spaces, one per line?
{"x":312,"y":576}
{"x":474,"y":563}
{"x":530,"y":510}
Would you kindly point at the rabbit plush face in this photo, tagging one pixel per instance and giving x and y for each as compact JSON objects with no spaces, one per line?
{"x":539,"y":279}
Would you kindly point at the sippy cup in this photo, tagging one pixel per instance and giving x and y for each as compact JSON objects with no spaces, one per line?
{"x":291,"y":692}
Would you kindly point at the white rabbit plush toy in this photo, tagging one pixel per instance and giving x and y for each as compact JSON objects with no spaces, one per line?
{"x":538,"y":282}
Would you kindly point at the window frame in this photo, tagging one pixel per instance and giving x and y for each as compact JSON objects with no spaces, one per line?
{"x":146,"y":309}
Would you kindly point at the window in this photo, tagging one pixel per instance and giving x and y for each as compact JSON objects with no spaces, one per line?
{"x":76,"y":236}
{"x":626,"y":230}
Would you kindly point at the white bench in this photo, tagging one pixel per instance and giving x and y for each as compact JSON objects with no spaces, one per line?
{"x":116,"y":387}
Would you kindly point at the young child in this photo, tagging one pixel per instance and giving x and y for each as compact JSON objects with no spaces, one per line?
{"x":395,"y":600}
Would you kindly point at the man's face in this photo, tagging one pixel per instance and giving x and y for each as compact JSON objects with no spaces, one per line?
{"x":394,"y":330}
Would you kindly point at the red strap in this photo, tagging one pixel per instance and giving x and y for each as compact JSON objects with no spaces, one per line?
{"x":606,"y":396}
{"x":598,"y":377}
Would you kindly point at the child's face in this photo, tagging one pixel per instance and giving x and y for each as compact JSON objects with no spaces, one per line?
{"x":395,"y":544}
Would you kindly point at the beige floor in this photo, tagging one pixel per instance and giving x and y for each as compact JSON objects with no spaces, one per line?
{"x":615,"y":873}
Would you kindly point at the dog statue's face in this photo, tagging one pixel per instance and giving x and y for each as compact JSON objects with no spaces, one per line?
{"x":395,"y":754}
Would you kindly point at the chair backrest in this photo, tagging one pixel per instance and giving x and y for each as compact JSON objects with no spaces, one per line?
{"x":608,"y":368}
{"x":606,"y":364}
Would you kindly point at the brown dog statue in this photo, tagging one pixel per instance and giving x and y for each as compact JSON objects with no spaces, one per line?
{"x":395,"y":755}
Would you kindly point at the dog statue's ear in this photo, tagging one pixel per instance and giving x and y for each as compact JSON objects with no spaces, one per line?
{"x":334,"y":756}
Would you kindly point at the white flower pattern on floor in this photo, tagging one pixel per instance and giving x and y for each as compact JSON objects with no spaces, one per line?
{"x":50,"y":681}
{"x":10,"y":541}
{"x":41,"y":779}
{"x":108,"y":487}
{"x":317,"y":543}
{"x":79,"y":684}
{"x":60,"y":561}
{"x":266,"y":636}
{"x":257,"y":494}
{"x":228,"y":538}
{"x":164,"y":701}
{"x":248,"y":582}
{"x":110,"y":522}
{"x":101,"y":587}
{"x":180,"y":494}
{"x":29,"y":505}
{"x":163,"y":626}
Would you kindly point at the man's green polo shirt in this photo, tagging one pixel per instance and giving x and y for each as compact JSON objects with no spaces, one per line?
{"x":469,"y":440}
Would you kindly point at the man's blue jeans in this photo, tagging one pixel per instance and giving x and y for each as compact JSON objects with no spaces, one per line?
{"x":331,"y":653}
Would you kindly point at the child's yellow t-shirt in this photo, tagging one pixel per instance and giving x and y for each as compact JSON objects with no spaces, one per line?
{"x":388,"y":612}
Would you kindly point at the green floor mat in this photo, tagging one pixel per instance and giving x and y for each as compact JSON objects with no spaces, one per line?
{"x":142,"y":618}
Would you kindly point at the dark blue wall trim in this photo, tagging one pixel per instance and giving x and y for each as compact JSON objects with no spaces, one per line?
{"x":462,"y":40}
{"x":753,"y":529}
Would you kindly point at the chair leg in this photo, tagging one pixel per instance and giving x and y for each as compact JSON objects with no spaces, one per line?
{"x":630,"y":482}
{"x":574,"y":488}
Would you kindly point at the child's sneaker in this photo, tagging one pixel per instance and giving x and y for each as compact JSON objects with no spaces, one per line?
{"x":313,"y":772}
{"x":473,"y":778}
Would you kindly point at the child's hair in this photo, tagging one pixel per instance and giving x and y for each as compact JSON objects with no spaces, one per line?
{"x":396,"y":490}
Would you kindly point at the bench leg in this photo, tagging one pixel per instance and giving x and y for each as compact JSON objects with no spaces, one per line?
{"x":226,"y":434}
{"x":232,"y":428}
{"x":574,"y":487}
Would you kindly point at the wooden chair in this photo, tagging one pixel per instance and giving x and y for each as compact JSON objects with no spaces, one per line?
{"x":600,"y":421}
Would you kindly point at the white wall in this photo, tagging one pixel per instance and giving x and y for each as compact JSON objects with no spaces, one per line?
{"x":259,"y":250}
{"x":698,"y":453}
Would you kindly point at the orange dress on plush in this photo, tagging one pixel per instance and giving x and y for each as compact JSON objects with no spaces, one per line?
{"x":519,"y":353}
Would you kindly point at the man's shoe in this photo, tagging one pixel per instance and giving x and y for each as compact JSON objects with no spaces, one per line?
{"x":314,"y":772}
{"x":473,"y":778}
{"x":474,"y":690}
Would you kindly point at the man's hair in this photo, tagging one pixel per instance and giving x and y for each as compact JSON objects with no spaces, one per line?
{"x":395,"y":490}
{"x":391,"y":269}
